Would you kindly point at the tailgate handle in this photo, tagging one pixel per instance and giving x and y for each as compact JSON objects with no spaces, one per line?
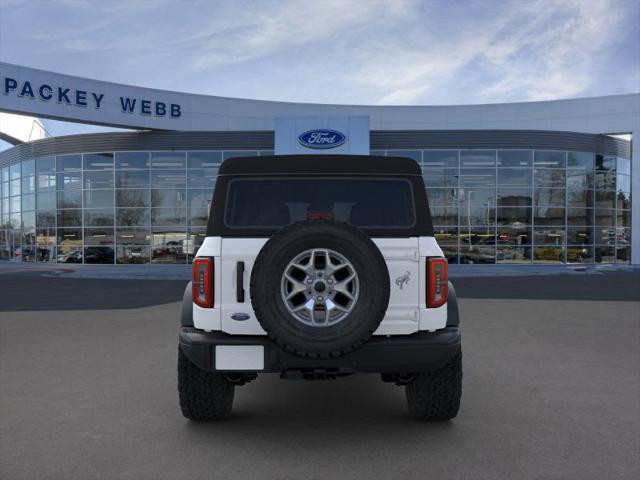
{"x":240,"y":282}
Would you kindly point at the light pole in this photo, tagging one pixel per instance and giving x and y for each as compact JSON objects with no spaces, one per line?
{"x":469,"y":218}
{"x":487,"y":214}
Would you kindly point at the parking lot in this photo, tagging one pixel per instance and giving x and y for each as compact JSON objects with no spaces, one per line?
{"x":551,"y":390}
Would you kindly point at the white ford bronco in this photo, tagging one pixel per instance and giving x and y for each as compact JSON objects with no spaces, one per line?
{"x":314,"y":267}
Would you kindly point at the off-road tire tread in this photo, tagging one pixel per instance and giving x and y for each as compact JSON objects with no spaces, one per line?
{"x":203,"y":395}
{"x":435,"y":396}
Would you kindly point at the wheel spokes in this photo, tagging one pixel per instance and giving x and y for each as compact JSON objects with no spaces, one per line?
{"x":309,"y":306}
{"x":319,"y":287}
{"x":319,"y":260}
{"x":306,"y":269}
{"x":296,"y":288}
{"x":331,"y":306}
{"x":343,"y":287}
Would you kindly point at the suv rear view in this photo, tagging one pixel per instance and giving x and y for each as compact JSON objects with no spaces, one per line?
{"x":319,"y":267}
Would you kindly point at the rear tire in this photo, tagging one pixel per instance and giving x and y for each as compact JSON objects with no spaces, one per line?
{"x":203,"y":395}
{"x":436,"y":395}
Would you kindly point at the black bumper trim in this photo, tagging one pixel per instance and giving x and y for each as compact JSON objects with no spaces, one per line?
{"x":421,"y":351}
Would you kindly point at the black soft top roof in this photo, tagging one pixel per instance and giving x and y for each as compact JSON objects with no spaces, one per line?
{"x":320,"y":164}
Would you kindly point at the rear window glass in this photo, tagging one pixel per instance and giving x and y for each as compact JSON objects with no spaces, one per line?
{"x":362,"y":202}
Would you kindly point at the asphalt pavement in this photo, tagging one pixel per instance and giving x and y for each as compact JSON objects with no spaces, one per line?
{"x":551,"y":390}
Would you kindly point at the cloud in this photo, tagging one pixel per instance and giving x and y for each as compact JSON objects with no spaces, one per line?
{"x":532,"y":51}
{"x":337,"y":51}
{"x":404,"y":95}
{"x":288,"y":26}
{"x":553,"y":55}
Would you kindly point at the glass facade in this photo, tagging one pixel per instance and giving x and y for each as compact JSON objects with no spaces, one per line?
{"x":488,"y":206}
{"x":108,"y":207}
{"x":527,"y":206}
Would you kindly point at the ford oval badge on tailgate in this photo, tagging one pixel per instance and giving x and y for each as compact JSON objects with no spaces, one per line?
{"x":240,"y":317}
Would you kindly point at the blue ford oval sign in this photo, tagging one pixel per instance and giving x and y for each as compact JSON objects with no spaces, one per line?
{"x":322,"y":138}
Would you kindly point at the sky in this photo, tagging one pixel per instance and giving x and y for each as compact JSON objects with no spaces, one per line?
{"x":396,"y":52}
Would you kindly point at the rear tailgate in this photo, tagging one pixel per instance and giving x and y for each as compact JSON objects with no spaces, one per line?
{"x":402,"y":257}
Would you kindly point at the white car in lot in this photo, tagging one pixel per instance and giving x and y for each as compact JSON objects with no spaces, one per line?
{"x":319,"y":267}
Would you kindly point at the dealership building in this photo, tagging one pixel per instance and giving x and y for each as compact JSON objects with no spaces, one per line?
{"x":517,"y":183}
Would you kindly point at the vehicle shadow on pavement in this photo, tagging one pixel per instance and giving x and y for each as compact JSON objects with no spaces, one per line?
{"x":317,"y":415}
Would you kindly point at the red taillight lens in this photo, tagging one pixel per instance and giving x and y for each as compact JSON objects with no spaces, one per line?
{"x":437,"y":282}
{"x":202,"y":282}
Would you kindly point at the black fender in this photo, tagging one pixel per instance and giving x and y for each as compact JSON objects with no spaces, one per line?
{"x":453,"y":313}
{"x":186,"y":315}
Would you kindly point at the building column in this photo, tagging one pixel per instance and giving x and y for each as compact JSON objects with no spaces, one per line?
{"x":635,"y":197}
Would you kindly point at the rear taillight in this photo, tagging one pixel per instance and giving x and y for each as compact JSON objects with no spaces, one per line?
{"x":202,"y":282}
{"x":437,"y":282}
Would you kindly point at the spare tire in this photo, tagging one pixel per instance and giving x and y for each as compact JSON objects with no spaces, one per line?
{"x":320,"y":288}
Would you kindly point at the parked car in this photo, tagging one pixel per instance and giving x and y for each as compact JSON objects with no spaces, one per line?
{"x":72,"y":256}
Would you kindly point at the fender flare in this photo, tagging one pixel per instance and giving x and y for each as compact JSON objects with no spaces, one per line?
{"x":186,"y":315}
{"x":453,"y":313}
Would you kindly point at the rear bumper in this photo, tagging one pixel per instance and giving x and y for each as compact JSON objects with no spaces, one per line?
{"x":422,"y":351}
